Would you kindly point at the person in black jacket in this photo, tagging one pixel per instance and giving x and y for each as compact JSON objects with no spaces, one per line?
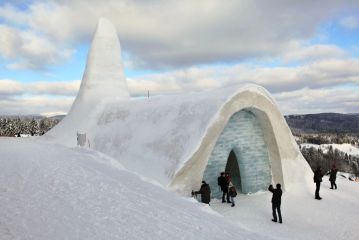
{"x":333,"y":177}
{"x":276,"y":201}
{"x":318,"y":175}
{"x":223,"y":183}
{"x":205,"y":192}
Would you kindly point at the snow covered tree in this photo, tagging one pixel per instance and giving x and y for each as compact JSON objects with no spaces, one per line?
{"x":34,"y":127}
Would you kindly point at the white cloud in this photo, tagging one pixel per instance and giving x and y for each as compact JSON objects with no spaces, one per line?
{"x":350,"y":22}
{"x":306,"y":100}
{"x":12,"y":88}
{"x":35,"y":105}
{"x":29,"y":50}
{"x":161,"y":34}
{"x":177,"y":34}
{"x":313,"y":53}
{"x":13,"y":15}
{"x":321,"y":86}
{"x":46,"y":98}
{"x":319,"y":74}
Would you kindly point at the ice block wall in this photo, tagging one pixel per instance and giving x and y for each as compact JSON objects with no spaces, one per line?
{"x":244,"y":136}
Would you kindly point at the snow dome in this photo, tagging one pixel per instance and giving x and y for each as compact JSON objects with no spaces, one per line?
{"x":179,"y":140}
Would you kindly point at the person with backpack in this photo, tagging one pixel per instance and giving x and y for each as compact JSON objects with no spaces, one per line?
{"x":223,"y":183}
{"x":232,"y":192}
{"x":205,"y":192}
{"x":276,"y":202}
{"x":317,"y":179}
{"x":333,"y":177}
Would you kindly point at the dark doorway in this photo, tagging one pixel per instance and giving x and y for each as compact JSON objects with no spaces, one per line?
{"x":233,"y":169}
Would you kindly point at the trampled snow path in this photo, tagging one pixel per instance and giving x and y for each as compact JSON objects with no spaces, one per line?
{"x":336,"y":216}
{"x":49,"y":191}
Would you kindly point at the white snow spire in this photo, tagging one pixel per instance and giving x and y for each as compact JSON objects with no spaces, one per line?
{"x":104,"y":76}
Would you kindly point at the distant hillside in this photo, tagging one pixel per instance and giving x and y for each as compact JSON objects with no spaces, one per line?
{"x":57,"y":117}
{"x":324,"y":123}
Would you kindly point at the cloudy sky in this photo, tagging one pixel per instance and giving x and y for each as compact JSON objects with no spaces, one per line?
{"x":305,"y":52}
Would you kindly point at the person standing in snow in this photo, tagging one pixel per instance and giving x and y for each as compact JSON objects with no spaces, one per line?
{"x":276,"y":201}
{"x":223,"y":183}
{"x":318,"y":179}
{"x":205,"y":192}
{"x":232,"y":192}
{"x":333,"y":177}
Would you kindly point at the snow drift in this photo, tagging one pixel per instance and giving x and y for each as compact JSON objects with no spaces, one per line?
{"x":52,"y":192}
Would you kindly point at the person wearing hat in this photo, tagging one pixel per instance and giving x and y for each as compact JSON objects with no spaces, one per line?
{"x":205,"y":192}
{"x":333,"y":177}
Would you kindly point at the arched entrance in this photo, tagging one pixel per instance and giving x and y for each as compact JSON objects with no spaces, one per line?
{"x":241,"y":151}
{"x":233,"y":169}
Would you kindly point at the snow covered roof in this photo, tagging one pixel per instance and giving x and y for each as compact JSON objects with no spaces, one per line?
{"x":164,"y":138}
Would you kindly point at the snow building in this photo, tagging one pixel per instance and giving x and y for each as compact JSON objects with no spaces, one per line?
{"x":179,"y":140}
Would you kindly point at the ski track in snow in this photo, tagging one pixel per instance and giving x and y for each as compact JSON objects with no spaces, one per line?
{"x":48,"y":191}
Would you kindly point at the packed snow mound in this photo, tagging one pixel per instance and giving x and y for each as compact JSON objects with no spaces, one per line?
{"x":52,"y":192}
{"x":48,"y":191}
{"x":164,"y":136}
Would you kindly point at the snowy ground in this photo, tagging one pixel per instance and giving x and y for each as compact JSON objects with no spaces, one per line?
{"x":49,"y":191}
{"x":336,"y":216}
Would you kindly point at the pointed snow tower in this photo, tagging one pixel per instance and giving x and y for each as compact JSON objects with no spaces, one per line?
{"x":103,"y":81}
{"x":104,"y":76}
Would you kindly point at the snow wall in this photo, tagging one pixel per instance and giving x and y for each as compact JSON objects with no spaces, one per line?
{"x":170,"y":139}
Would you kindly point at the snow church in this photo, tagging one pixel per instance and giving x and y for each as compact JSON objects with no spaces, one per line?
{"x":177,"y":141}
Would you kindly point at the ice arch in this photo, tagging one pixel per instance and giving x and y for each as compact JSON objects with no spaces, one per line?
{"x":240,"y":150}
{"x":276,"y":135}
